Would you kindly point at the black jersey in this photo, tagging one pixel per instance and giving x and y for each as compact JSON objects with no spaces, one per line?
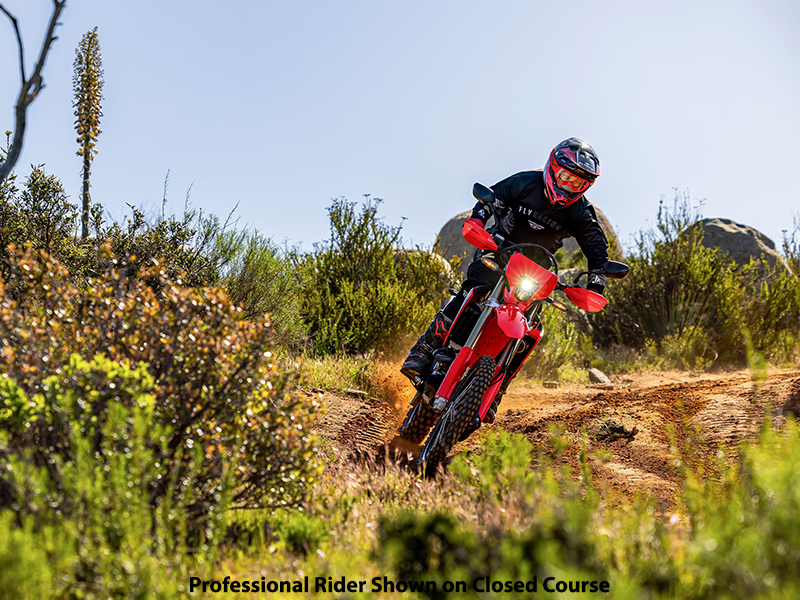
{"x":526,"y":216}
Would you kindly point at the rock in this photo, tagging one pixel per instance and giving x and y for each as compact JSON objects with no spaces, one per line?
{"x":551,"y":385}
{"x":602,"y":386}
{"x":740,"y":242}
{"x":452,"y":243}
{"x":597,"y":376}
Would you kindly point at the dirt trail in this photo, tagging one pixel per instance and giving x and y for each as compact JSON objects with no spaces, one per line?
{"x":705,"y":412}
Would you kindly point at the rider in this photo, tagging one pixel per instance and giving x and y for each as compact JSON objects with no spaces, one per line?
{"x":538,"y":207}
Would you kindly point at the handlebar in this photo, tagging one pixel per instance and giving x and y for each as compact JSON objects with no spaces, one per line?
{"x":504,"y":254}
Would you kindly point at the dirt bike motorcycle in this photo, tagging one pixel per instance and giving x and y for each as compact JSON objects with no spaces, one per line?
{"x":489,"y":340}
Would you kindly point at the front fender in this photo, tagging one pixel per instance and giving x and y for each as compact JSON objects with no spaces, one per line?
{"x":511,"y":321}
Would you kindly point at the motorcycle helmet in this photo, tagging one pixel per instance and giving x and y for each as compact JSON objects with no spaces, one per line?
{"x":570,"y":171}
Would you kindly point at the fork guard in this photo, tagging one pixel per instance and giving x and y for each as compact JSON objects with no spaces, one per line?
{"x":511,"y":321}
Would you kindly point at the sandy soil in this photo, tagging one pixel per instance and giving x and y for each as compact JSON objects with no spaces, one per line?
{"x":705,"y":412}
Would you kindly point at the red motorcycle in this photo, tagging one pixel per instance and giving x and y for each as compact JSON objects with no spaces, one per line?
{"x":489,"y":340}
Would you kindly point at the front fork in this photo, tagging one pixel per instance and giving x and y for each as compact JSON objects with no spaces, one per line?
{"x":467,"y":350}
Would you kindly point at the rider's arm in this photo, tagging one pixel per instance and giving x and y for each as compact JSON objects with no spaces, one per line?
{"x":506,"y":193}
{"x":480,"y":213}
{"x":586,"y":230}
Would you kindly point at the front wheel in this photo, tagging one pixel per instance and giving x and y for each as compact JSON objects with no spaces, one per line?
{"x":457,"y":415}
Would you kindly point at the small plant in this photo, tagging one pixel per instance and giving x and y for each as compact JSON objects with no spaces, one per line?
{"x":610,"y":430}
{"x":260,"y":279}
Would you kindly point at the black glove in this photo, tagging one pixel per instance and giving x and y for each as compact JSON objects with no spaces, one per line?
{"x":597,"y":283}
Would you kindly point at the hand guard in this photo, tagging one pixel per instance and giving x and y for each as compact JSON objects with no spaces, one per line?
{"x":474,"y":232}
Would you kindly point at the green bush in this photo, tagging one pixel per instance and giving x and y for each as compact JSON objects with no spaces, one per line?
{"x":40,"y":214}
{"x":361,"y":290}
{"x":184,"y":247}
{"x":693,"y":306}
{"x":791,"y":246}
{"x":299,"y":532}
{"x":745,"y":537}
{"x":27,"y":556}
{"x":260,"y":279}
{"x":216,"y":383}
{"x":79,"y":466}
{"x":551,"y":532}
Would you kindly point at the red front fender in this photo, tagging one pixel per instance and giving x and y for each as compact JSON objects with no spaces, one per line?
{"x":511,"y":321}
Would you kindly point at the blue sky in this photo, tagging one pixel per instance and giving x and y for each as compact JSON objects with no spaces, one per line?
{"x":281,"y":106}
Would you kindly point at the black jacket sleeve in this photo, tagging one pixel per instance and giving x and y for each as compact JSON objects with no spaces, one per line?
{"x":480,"y":212}
{"x":590,"y":237}
{"x":504,"y":193}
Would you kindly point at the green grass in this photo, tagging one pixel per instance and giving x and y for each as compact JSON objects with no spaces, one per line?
{"x":511,"y":512}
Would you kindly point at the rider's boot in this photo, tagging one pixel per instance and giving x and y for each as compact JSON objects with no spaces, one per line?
{"x":421,"y":354}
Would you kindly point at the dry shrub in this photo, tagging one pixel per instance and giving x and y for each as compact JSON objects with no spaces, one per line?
{"x":216,"y":384}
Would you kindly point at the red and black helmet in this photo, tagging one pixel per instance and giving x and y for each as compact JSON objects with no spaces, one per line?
{"x":570,"y":171}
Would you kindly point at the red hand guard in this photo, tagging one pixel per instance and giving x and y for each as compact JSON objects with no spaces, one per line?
{"x":477,"y":236}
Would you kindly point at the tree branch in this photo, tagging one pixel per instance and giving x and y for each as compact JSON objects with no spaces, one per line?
{"x":29,"y":88}
{"x":19,"y":42}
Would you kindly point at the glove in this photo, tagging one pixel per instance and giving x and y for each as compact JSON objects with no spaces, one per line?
{"x":597,"y":283}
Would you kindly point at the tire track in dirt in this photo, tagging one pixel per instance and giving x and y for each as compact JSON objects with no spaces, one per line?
{"x":700,"y":415}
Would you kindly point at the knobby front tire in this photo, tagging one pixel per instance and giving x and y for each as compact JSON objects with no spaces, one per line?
{"x":457,"y":415}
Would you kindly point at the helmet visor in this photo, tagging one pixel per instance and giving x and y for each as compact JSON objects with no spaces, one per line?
{"x":569,"y":182}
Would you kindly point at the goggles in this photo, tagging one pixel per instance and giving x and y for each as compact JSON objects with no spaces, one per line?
{"x":569,"y":182}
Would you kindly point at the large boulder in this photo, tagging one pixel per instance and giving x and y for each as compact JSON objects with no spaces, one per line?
{"x":739,"y":241}
{"x":452,"y":243}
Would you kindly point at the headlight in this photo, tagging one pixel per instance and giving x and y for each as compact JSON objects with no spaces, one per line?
{"x":526,"y":286}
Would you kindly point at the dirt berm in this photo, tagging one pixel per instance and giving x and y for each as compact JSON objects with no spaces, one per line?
{"x":704,"y":413}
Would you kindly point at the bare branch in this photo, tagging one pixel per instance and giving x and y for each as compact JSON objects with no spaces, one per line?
{"x":29,"y":88}
{"x":19,"y":42}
